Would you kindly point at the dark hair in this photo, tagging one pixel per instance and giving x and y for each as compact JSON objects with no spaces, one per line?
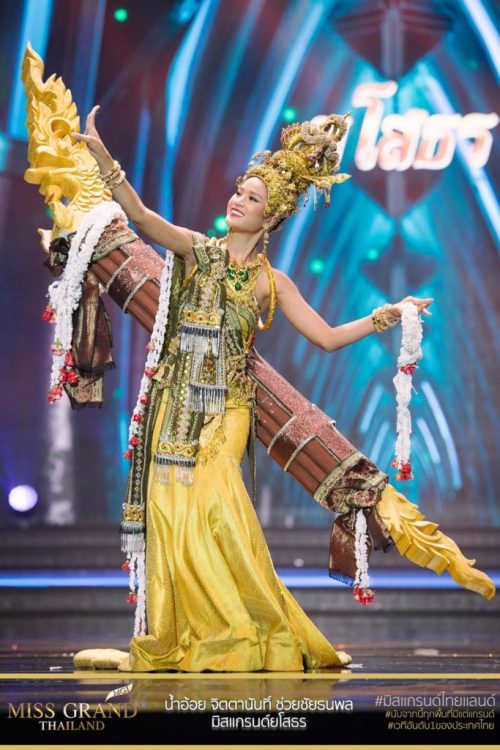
{"x":278,"y":224}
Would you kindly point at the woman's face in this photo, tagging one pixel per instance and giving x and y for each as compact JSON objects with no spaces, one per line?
{"x":245,"y":208}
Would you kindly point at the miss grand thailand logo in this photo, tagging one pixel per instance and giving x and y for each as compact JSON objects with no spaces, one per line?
{"x":74,"y":716}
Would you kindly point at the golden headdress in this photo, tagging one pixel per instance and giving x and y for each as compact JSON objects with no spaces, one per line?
{"x":309,"y":157}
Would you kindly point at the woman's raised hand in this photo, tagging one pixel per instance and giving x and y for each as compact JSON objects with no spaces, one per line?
{"x":93,"y":140}
{"x":396,"y":310}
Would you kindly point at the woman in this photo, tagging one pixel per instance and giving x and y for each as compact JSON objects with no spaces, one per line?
{"x":213,"y":599}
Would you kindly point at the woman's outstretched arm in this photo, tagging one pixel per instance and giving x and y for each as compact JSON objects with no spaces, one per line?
{"x":311,"y":325}
{"x":177,"y":239}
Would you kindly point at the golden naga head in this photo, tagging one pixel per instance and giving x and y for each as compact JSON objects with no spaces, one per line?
{"x":66,"y":171}
{"x":309,"y":157}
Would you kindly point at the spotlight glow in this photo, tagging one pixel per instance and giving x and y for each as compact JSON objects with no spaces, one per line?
{"x":23,"y":498}
{"x":121,"y":14}
{"x":289,"y":114}
{"x":220,"y":224}
{"x":316,"y":265}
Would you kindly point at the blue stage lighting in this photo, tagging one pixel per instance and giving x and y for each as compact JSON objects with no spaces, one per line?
{"x":23,"y":498}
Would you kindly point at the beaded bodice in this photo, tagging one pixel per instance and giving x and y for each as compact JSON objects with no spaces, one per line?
{"x":242,"y":314}
{"x":239,"y":324}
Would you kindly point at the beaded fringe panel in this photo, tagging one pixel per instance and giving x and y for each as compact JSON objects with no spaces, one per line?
{"x":183,"y":468}
{"x":132,"y":536}
{"x":200,"y":339}
{"x":210,"y":399}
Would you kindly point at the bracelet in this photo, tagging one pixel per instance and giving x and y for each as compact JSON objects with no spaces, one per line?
{"x":114,"y":176}
{"x":111,"y":172}
{"x":112,"y":185}
{"x":381,"y":320}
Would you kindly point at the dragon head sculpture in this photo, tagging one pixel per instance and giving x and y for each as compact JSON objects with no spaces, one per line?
{"x":66,"y":171}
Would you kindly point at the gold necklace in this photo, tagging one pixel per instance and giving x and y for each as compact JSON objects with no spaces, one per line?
{"x":241,"y":270}
{"x":239,"y":273}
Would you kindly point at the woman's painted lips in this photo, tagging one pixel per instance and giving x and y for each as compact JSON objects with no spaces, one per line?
{"x":236,"y":212}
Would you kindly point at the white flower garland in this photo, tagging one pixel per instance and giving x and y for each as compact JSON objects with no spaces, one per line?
{"x":154,"y":348}
{"x":136,"y":562}
{"x":362,"y":591}
{"x":135,"y":566}
{"x":361,"y":579}
{"x":410,"y":354}
{"x":64,"y":295}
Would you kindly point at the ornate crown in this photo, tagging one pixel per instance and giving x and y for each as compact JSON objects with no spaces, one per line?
{"x":309,"y":157}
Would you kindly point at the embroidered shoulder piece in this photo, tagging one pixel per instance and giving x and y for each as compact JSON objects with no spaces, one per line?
{"x":201,"y":250}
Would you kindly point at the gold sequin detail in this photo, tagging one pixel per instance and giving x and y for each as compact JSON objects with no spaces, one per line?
{"x":180,"y":449}
{"x":133,"y":513}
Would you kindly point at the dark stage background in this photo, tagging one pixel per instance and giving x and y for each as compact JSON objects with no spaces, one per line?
{"x":188,"y":92}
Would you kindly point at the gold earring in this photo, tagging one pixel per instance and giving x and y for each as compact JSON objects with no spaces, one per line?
{"x":265,"y":240}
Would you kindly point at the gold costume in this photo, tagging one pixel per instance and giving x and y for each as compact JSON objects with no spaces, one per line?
{"x":213,"y":598}
{"x":214,"y":601}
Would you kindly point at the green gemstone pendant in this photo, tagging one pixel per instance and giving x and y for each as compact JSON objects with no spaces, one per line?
{"x":239,"y":275}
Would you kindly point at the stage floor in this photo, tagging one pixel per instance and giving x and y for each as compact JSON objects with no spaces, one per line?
{"x":51,"y":703}
{"x":26,"y":671}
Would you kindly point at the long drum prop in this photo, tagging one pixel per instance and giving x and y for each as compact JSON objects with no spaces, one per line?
{"x":301,"y":438}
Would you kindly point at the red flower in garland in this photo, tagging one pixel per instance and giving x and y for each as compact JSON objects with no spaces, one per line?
{"x":149,"y":372}
{"x":54,"y":394}
{"x":363,"y":596}
{"x":134,"y":441}
{"x":49,"y":314}
{"x":132,"y":598}
{"x":128,"y":455}
{"x":126,"y":566}
{"x":73,"y":377}
{"x":404,"y":472}
{"x":408,"y":369}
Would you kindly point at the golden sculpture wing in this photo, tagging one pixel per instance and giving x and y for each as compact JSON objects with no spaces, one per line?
{"x":66,"y":171}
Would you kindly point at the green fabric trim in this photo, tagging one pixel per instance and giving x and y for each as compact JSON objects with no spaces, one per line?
{"x":137,"y":481}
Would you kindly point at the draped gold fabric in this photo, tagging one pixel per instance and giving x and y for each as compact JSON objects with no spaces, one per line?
{"x":213,"y":598}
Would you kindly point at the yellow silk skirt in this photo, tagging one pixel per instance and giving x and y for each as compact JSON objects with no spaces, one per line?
{"x":213,"y":598}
